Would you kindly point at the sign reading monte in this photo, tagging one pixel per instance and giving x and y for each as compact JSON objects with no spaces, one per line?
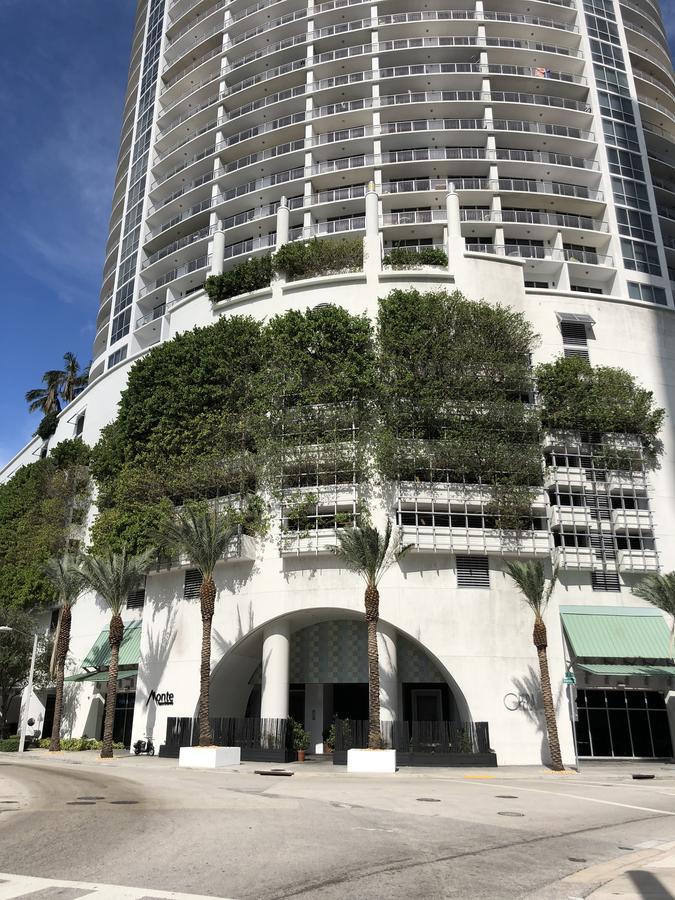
{"x":163,"y":699}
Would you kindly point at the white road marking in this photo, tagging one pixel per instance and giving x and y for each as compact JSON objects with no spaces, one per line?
{"x":661,"y":812}
{"x":13,"y":887}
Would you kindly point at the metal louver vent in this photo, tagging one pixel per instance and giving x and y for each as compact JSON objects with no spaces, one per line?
{"x":473,"y":571}
{"x":605,"y":581}
{"x":193,"y":583}
{"x":577,"y":351}
{"x":574,"y":333}
{"x":136,"y":599}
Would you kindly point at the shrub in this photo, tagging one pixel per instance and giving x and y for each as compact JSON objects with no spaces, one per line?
{"x":9,"y":745}
{"x":252,"y":275}
{"x":47,"y":426}
{"x":310,"y":259}
{"x":409,"y":258}
{"x":81,"y":743}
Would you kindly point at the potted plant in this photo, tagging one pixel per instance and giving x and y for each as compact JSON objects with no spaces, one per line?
{"x":300,"y":740}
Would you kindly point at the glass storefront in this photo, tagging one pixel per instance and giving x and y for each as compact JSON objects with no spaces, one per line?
{"x":622,"y":723}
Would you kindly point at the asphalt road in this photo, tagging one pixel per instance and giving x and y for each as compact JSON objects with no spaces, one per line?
{"x":322,"y":834}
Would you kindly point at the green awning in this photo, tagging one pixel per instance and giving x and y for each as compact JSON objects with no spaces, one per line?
{"x":620,"y":670}
{"x":130,"y":650}
{"x":606,"y":634}
{"x":101,"y":676}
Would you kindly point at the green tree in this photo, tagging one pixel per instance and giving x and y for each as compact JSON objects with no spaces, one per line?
{"x":112,"y":576}
{"x":73,"y":377}
{"x":203,"y":534}
{"x":370,"y":554}
{"x":531,"y":581}
{"x":659,"y":590}
{"x":66,"y":579}
{"x":46,"y":398}
{"x":575,"y":395}
{"x":16,"y":648}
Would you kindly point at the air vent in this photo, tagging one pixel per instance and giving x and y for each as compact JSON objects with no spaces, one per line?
{"x":577,"y":351}
{"x":605,"y":581}
{"x":193,"y":583}
{"x":574,"y":333}
{"x":136,"y":599}
{"x":473,"y":571}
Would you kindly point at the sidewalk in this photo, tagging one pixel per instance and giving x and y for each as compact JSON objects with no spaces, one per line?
{"x":647,"y":874}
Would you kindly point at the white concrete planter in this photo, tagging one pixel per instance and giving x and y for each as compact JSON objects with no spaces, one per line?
{"x":209,"y":757}
{"x":377,"y":762}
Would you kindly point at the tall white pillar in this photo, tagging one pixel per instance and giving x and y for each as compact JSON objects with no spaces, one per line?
{"x":455,"y":242}
{"x":283,"y":223}
{"x":371,"y":242}
{"x":218,"y":254}
{"x":389,"y":688}
{"x":275,"y":671}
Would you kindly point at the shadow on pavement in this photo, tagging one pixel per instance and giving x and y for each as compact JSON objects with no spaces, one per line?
{"x":648,"y":885}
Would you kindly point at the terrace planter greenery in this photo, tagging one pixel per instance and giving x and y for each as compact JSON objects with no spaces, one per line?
{"x":310,"y":259}
{"x":408,"y":258}
{"x":252,"y":275}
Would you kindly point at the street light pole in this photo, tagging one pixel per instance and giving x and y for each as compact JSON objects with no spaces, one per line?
{"x":29,"y":691}
{"x":29,"y":686}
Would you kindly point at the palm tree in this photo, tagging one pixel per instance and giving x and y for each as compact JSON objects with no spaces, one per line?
{"x":113,"y":576}
{"x":72,"y":379}
{"x":530,"y":579}
{"x":368,"y":553}
{"x":46,"y":398}
{"x":659,"y":590}
{"x":203,"y":534}
{"x":66,"y":579}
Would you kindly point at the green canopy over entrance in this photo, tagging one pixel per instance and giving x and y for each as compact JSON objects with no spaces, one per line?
{"x":98,"y":657}
{"x":612,"y":635}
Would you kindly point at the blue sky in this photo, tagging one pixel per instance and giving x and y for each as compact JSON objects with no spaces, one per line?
{"x":63,"y":74}
{"x":62,"y":79}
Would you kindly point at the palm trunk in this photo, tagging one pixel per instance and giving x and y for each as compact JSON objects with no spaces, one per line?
{"x":208,"y":603}
{"x":372,"y":599}
{"x":540,"y":639}
{"x":62,"y":644}
{"x":116,"y":635}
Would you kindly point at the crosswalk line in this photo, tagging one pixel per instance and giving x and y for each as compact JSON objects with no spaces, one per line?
{"x":28,"y":887}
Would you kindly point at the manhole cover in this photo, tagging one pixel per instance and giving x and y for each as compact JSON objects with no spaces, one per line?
{"x":9,"y":801}
{"x":124,"y":802}
{"x":91,"y":798}
{"x":428,"y":799}
{"x":283,"y":772}
{"x":510,"y":813}
{"x":640,"y":776}
{"x":506,"y":797}
{"x":576,"y":859}
{"x":80,"y":803}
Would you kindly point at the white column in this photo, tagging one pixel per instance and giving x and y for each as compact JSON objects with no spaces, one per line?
{"x":455,"y":242}
{"x":283,"y":222}
{"x":218,"y":253}
{"x":371,"y":242}
{"x":386,"y":645}
{"x":275,"y":667}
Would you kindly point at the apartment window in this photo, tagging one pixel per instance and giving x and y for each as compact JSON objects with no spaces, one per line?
{"x":647,"y":292}
{"x":54,"y":621}
{"x":582,"y":289}
{"x":117,"y":357}
{"x":79,"y":425}
{"x":473,"y":572}
{"x":605,"y":581}
{"x":641,"y":257}
{"x":120,"y":326}
{"x":635,"y":224}
{"x":192,"y":585}
{"x":136,"y":598}
{"x":611,"y":80}
{"x":78,"y":516}
{"x":543,"y":285}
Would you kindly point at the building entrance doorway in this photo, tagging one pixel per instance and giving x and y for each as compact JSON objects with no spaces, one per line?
{"x":427,"y":704}
{"x":622,"y":723}
{"x":124,"y":718}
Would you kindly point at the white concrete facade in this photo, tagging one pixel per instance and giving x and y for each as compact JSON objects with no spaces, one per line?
{"x":522,"y":199}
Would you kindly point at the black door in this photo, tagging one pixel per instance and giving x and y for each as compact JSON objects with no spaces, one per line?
{"x":48,"y":723}
{"x":124,"y":718}
{"x":623,"y":723}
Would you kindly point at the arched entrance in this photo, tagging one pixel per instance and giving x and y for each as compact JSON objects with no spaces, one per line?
{"x":313,"y":667}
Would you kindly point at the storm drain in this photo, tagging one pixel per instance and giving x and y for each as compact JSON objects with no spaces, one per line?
{"x":577,"y":859}
{"x":428,"y":800}
{"x":510,"y":813}
{"x":124,"y":802}
{"x":91,"y":798}
{"x":506,"y":797}
{"x":80,"y":803}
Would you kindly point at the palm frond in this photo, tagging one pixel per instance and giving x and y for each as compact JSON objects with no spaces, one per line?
{"x":530,"y":579}
{"x":114,"y":575}
{"x":203,"y":533}
{"x":65,"y":576}
{"x":659,"y":590}
{"x":369,"y":553}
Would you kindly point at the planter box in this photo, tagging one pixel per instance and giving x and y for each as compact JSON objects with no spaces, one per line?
{"x":208,"y":757}
{"x":376,"y":762}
